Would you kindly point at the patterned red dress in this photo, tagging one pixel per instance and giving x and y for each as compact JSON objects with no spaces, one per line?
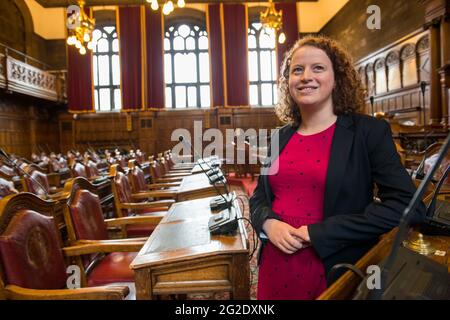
{"x":299,"y":187}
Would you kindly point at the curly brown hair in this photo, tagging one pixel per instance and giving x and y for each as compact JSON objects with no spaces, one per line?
{"x":348,"y":93}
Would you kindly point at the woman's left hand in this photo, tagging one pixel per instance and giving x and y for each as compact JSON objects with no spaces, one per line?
{"x":303,"y":233}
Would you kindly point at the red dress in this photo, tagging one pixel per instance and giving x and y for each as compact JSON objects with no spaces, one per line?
{"x":299,"y":187}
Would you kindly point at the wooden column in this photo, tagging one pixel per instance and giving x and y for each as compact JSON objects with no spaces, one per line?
{"x":444,"y":71}
{"x":435,"y":61}
{"x":436,"y":19}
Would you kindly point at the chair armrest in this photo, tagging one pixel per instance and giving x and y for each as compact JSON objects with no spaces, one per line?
{"x":176,"y":175}
{"x":118,"y":222}
{"x":55,"y":190}
{"x":184,"y":166}
{"x":165,"y":179}
{"x":154,"y":194}
{"x":94,"y":293}
{"x":59,"y":196}
{"x":148,"y":205}
{"x":105,"y":246}
{"x":100,"y":181}
{"x":180,"y":170}
{"x":163,"y":185}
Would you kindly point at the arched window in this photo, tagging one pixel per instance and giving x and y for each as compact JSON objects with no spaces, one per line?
{"x":262,"y":65}
{"x":186,"y":65}
{"x":106,"y":67}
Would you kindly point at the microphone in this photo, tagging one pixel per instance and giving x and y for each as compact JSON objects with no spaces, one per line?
{"x":5,"y":155}
{"x":437,"y":221}
{"x":420,"y":171}
{"x":218,"y":178}
{"x":418,"y":263}
{"x":226,"y":221}
{"x":423,"y":86}
{"x":371,"y":103}
{"x":214,"y":173}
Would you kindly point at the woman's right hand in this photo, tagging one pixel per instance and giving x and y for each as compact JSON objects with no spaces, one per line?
{"x":282,"y":235}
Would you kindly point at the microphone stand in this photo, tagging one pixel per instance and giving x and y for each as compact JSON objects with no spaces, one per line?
{"x":217,"y":205}
{"x":404,"y":222}
{"x":226,"y":221}
{"x":371,"y":99}
{"x":432,"y":206}
{"x":423,"y":85}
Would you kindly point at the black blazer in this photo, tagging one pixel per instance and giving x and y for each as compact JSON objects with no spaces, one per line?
{"x":362,"y":155}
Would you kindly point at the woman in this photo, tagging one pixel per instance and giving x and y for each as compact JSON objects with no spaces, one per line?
{"x":315,"y":201}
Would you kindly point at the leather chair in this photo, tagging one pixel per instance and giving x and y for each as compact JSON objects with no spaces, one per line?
{"x":166,"y":171}
{"x":85,"y":224}
{"x":6,"y":188}
{"x":6,"y":171}
{"x":92,"y":170}
{"x":37,"y":183}
{"x":79,"y":170}
{"x":129,"y":204}
{"x":120,"y":160}
{"x":140,"y":157}
{"x":158,"y":175}
{"x":138,"y":184}
{"x":32,"y":259}
{"x":177,"y":166}
{"x":429,"y":158}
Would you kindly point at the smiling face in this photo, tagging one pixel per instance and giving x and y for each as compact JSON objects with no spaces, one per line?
{"x":311,"y":78}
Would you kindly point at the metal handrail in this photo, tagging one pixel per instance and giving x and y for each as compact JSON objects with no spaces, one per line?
{"x":26,"y":58}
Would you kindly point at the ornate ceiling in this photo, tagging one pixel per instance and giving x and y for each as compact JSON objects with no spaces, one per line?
{"x":65,"y":3}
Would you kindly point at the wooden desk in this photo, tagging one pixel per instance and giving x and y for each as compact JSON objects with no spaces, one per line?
{"x":197,"y":169}
{"x":206,"y":166}
{"x":345,"y":287}
{"x":58,"y":179}
{"x":182,"y":257}
{"x":197,"y":186}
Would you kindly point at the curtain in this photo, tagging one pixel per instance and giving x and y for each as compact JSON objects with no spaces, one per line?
{"x":154,"y":54}
{"x":290,"y":28}
{"x":216,"y":50}
{"x":129,"y":31}
{"x":235,"y":34}
{"x":80,"y":86}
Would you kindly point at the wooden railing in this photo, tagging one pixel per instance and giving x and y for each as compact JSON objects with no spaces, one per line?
{"x":24,"y":74}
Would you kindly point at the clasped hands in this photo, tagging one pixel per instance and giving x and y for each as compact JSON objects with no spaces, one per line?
{"x":285,"y":237}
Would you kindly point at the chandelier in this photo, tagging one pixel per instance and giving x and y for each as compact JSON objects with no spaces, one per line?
{"x":168,"y":6}
{"x":272,"y":19}
{"x":80,"y":35}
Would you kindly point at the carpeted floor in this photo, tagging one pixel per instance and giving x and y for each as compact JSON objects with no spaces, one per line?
{"x":247,"y":184}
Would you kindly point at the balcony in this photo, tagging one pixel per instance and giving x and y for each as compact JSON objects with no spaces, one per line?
{"x":23,"y":74}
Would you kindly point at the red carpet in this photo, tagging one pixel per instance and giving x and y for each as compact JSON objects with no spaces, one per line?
{"x":246,"y":183}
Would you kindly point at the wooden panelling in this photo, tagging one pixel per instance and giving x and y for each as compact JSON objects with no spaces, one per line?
{"x":398,"y":18}
{"x":152,"y":130}
{"x":393,"y":74}
{"x":27,"y":125}
{"x":100,"y":129}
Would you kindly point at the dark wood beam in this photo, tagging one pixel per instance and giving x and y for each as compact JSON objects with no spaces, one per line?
{"x":65,"y":3}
